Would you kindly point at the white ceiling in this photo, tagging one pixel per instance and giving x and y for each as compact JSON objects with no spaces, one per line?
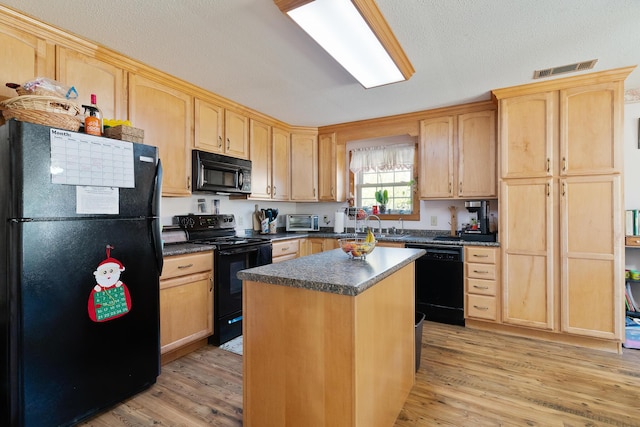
{"x":249,"y":52}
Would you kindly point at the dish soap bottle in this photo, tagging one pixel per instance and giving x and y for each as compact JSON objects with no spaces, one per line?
{"x":93,"y":122}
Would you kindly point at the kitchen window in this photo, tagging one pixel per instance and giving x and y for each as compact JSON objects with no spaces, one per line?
{"x":389,"y":171}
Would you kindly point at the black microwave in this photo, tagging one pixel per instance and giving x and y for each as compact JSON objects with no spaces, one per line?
{"x":220,"y":174}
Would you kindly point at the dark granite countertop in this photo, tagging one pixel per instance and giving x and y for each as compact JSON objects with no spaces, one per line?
{"x":184,"y":248}
{"x":333,"y":271}
{"x":402,"y":238}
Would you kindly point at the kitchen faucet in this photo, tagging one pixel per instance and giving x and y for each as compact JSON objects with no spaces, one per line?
{"x":366,"y":221}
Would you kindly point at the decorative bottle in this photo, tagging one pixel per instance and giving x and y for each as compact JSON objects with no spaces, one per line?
{"x":93,"y":122}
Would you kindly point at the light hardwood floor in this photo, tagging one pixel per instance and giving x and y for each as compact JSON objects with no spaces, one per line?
{"x":466,"y":378}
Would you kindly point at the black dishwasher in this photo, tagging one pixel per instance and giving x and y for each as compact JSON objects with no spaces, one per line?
{"x":439,"y":282}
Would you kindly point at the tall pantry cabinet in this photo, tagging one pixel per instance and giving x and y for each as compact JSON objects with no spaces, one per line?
{"x":561,"y":207}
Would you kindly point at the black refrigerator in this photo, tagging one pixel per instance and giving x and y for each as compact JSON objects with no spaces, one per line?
{"x":80,"y":259}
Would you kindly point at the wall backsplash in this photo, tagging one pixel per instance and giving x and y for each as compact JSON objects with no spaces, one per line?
{"x":243,"y":209}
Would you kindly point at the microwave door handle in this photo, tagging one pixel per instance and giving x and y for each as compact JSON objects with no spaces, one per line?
{"x":201,"y":174}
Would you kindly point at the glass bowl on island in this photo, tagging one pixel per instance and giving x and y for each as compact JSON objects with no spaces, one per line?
{"x":356,"y":247}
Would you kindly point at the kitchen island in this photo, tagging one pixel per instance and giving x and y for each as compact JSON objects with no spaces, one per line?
{"x":329,"y":341}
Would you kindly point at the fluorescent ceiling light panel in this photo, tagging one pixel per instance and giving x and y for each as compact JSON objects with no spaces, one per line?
{"x":339,"y":27}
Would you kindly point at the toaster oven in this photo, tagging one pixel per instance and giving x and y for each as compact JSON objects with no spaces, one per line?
{"x":302,"y":222}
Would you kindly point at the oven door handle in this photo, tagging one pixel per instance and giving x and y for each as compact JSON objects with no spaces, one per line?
{"x":238,"y":251}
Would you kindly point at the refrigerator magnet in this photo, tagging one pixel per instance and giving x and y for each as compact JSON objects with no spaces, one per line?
{"x":109,"y":298}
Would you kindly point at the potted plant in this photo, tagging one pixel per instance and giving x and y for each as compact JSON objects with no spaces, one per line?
{"x":382,"y":197}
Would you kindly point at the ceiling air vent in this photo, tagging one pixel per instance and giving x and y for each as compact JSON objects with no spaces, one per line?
{"x":571,"y":68}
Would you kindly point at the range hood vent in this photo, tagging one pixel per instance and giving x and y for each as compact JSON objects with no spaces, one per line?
{"x":571,"y":68}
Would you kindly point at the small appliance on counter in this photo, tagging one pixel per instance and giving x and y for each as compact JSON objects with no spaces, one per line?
{"x":478,"y":232}
{"x":302,"y":222}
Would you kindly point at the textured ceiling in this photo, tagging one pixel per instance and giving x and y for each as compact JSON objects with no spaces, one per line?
{"x":248,"y":51}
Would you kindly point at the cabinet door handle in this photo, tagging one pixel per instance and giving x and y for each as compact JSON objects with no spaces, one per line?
{"x":228,"y":143}
{"x":564,"y":164}
{"x":480,"y":287}
{"x":480,"y":308}
{"x":274,"y":190}
{"x":185,"y":266}
{"x":480,"y":271}
{"x":481,"y":256}
{"x":286,"y":248}
{"x":548,"y":165}
{"x":564,"y":188}
{"x":548,"y":189}
{"x":460,"y":188}
{"x":219,"y":141}
{"x":450,"y":185}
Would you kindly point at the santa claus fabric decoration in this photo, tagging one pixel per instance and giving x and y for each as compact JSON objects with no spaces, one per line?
{"x":109,"y":298}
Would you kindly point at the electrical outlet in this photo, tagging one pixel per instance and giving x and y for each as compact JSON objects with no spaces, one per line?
{"x":326,"y":219}
{"x":240,"y":221}
{"x":434,"y":220}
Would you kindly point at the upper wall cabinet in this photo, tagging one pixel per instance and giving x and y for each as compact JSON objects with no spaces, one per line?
{"x":458,"y":156}
{"x":221,"y":131}
{"x":166,"y":115}
{"x":331,"y":169}
{"x":92,"y":76}
{"x":304,"y":167}
{"x":23,"y":56}
{"x":270,"y":152}
{"x":209,"y":126}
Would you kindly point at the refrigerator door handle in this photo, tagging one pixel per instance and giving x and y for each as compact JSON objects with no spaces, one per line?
{"x":157,"y":226}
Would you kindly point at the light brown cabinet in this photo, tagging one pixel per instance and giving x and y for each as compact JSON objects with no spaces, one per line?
{"x":166,"y":115}
{"x":270,"y":151}
{"x":186,"y":301}
{"x":561,"y":206}
{"x":220,"y":131}
{"x":236,"y":134}
{"x":315,"y":245}
{"x":283,"y":250}
{"x":481,"y":283}
{"x":331,"y":169}
{"x":93,"y":76}
{"x":23,"y":56}
{"x":458,"y":156}
{"x":304,"y":167}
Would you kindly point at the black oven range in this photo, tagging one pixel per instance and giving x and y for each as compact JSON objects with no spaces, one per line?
{"x":231,"y":254}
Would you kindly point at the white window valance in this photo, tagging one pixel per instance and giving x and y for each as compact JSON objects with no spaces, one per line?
{"x":390,"y":157}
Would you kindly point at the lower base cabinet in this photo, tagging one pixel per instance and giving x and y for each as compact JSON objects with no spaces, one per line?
{"x":481,"y":283}
{"x":283,"y":250}
{"x":186,"y":304}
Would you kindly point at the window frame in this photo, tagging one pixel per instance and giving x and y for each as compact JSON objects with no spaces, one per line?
{"x":415,"y":215}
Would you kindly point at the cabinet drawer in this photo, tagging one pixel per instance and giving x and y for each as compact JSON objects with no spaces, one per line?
{"x":481,"y":287}
{"x":283,"y":258}
{"x":481,"y":306}
{"x":632,"y":241}
{"x":285,"y":247}
{"x":180,"y":265}
{"x":481,"y":255}
{"x":481,"y":271}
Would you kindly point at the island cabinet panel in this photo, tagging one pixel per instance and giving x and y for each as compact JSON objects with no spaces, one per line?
{"x":314,"y":358}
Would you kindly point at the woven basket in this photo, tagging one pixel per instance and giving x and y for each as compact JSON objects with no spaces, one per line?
{"x":37,"y":91}
{"x":49,"y":104}
{"x":56,"y":120}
